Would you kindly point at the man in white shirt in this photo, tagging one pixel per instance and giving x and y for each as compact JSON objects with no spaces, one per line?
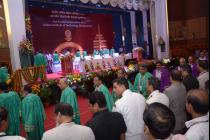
{"x":67,"y":130}
{"x":4,"y":126}
{"x":198,"y":106}
{"x":131,"y":106}
{"x":153,"y":86}
{"x":203,"y":68}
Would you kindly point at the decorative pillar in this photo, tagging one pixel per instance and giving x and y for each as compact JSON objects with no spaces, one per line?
{"x":145,"y":26}
{"x":133,"y":27}
{"x":161,"y":27}
{"x":15,"y":21}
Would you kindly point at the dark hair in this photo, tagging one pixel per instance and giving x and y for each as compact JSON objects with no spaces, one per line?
{"x":3,"y":86}
{"x":203,"y":64}
{"x":122,"y":81}
{"x":154,"y":82}
{"x":207,"y":85}
{"x":187,"y":67}
{"x":159,"y":62}
{"x":3,"y":114}
{"x":27,"y":88}
{"x":176,"y":75}
{"x":143,"y":65}
{"x":64,"y":109}
{"x":160,"y":120}
{"x":100,"y":78}
{"x":97,"y":97}
{"x":200,"y":106}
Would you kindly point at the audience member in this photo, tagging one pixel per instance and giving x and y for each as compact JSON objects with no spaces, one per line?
{"x":39,"y":59}
{"x":66,"y":129}
{"x":198,"y":106}
{"x":69,"y":96}
{"x":177,"y":99}
{"x":4,"y":125}
{"x":131,"y":106}
{"x":189,"y":80}
{"x":4,"y":75}
{"x":140,"y":84}
{"x":182,"y":61}
{"x":203,"y":68}
{"x":33,"y":114}
{"x":159,"y":123}
{"x":163,"y":75}
{"x":153,"y":86}
{"x":202,"y":56}
{"x":99,"y":86}
{"x":194,"y":67}
{"x":105,"y":125}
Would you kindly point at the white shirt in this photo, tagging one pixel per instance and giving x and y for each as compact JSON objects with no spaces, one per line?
{"x":158,"y":74}
{"x":132,"y":106}
{"x":10,"y":137}
{"x":158,"y":97}
{"x":69,"y":131}
{"x":203,"y":77}
{"x":198,"y":128}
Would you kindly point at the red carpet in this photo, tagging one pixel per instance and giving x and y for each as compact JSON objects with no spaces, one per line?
{"x":85,"y":114}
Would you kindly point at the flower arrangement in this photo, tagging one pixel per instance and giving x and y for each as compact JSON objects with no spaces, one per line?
{"x":26,"y":46}
{"x":36,"y":88}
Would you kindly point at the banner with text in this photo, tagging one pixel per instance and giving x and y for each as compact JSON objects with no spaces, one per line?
{"x":70,"y":31}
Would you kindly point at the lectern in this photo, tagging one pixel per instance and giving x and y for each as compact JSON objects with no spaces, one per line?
{"x":67,"y":64}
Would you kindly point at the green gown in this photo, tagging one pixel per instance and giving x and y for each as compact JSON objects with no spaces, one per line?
{"x":40,"y":60}
{"x":4,"y":76}
{"x":115,"y":97}
{"x":33,"y":117}
{"x":69,"y":96}
{"x":11,"y":101}
{"x":140,"y":84}
{"x":107,"y":95}
{"x":56,"y":57}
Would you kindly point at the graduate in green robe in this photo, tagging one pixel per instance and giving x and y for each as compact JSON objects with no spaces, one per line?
{"x":11,"y":101}
{"x":40,"y":59}
{"x":140,"y":84}
{"x":102,"y":88}
{"x":33,"y":114}
{"x":56,"y":57}
{"x":122,"y":74}
{"x":69,"y":96}
{"x":4,"y":76}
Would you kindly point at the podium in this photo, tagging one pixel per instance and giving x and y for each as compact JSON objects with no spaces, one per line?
{"x":67,"y":64}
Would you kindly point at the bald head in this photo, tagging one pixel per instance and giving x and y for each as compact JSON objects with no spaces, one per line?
{"x":63,"y":83}
{"x":199,"y":100}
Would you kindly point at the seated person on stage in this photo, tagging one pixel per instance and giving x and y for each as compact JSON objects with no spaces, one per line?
{"x":4,"y":76}
{"x":112,"y":51}
{"x":78,"y":54}
{"x":56,"y":62}
{"x":159,"y":123}
{"x":67,"y":129}
{"x":4,"y":125}
{"x":85,"y":53}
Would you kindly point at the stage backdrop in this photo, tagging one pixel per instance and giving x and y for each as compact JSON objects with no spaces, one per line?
{"x":53,"y":27}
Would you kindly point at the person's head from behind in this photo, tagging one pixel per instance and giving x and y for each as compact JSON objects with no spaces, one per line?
{"x":3,"y":119}
{"x":182,"y":61}
{"x":153,"y":84}
{"x":159,"y":65}
{"x":98,"y":80}
{"x":56,"y":52}
{"x":120,"y":85}
{"x":63,"y":113}
{"x":197,"y":103}
{"x":143,"y":68}
{"x":3,"y":87}
{"x":203,"y":65}
{"x":121,"y":73}
{"x":186,"y":70}
{"x":26,"y":90}
{"x":159,"y":121}
{"x":63,"y":83}
{"x":96,"y":102}
{"x":176,"y":76}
